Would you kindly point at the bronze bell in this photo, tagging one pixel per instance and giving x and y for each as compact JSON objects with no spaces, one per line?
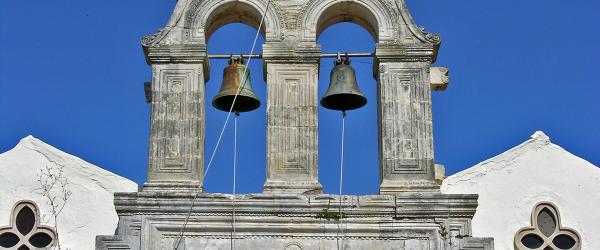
{"x":343,"y":93}
{"x":233,"y":75}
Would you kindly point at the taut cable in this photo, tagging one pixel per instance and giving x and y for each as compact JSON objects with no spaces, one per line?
{"x":243,"y":82}
{"x":340,"y":226}
{"x":235,"y":120}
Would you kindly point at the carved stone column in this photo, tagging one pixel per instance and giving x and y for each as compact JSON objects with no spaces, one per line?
{"x":292,"y":129}
{"x":176,"y":147}
{"x":405,"y":127}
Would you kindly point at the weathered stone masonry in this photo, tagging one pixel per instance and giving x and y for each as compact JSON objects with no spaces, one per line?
{"x":291,"y":213}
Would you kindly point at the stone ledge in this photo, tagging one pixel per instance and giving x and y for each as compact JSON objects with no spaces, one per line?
{"x":111,"y":242}
{"x":173,"y":186}
{"x":391,"y":187}
{"x":305,"y":188}
{"x":176,"y":54}
{"x":473,"y":243}
{"x":405,"y":53}
{"x":267,"y":221}
{"x":408,"y":205}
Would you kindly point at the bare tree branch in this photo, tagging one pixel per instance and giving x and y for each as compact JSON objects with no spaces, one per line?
{"x":54,"y":187}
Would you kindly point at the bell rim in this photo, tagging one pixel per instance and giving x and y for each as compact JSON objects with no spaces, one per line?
{"x":253,"y":100}
{"x":362,"y":100}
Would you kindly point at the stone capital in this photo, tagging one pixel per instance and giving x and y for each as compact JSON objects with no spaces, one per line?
{"x":280,"y":53}
{"x":178,"y":54}
{"x":173,"y":54}
{"x":385,"y":52}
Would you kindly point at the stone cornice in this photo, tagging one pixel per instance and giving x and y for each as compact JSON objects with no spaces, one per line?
{"x":284,"y":53}
{"x":401,"y":206}
{"x":174,"y":54}
{"x":264,"y":220}
{"x":406,"y":52}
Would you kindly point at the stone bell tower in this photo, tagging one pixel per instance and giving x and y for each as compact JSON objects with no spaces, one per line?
{"x":173,"y":212}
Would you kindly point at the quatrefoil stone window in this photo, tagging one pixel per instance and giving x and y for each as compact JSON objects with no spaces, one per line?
{"x":546,"y":231}
{"x":24,"y":231}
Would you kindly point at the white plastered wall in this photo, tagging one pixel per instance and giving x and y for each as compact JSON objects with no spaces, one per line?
{"x":510,"y":184}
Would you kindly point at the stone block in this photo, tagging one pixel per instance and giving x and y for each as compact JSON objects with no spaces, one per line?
{"x":439,"y":78}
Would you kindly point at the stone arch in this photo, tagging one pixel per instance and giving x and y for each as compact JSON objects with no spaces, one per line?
{"x":203,"y":18}
{"x":375,"y":16}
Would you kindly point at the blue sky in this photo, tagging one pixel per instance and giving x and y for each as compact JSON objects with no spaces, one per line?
{"x":72,"y":73}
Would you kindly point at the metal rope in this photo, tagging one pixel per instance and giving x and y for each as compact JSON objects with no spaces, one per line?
{"x":340,"y":226}
{"x":243,"y":82}
{"x":237,"y":114}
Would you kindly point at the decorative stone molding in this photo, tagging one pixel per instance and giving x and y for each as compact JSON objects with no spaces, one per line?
{"x":204,"y":17}
{"x":25,"y":231}
{"x":152,"y":40}
{"x":275,"y":221}
{"x":292,"y":144}
{"x":405,"y":131}
{"x":418,"y":32}
{"x":546,"y":231}
{"x":389,"y":52}
{"x":374,"y":15}
{"x":175,"y":54}
{"x":293,"y":246}
{"x":430,"y":37}
{"x":176,"y":146}
{"x":291,"y":22}
{"x":112,"y":243}
{"x":418,"y":206}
